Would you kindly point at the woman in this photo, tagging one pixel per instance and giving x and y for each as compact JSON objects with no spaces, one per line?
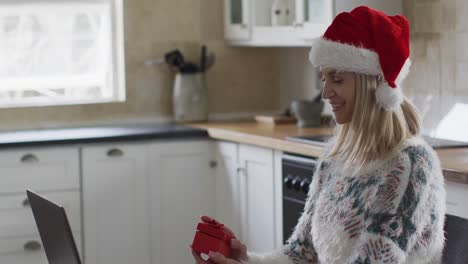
{"x":378,"y":194}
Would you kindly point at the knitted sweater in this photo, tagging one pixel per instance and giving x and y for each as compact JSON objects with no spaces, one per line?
{"x":391,"y":211}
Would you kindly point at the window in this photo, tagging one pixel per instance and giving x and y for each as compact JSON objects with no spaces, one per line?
{"x":454,"y":126}
{"x":57,"y":52}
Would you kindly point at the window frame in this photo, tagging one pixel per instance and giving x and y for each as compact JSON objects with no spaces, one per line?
{"x":117,"y":65}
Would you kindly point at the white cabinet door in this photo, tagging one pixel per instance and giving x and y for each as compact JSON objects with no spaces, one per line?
{"x":115,"y":204}
{"x":15,"y":251}
{"x":389,"y":7}
{"x":39,"y":169}
{"x":257,"y":198}
{"x":182,"y":188}
{"x":313,"y":17}
{"x":237,"y":24}
{"x":228,"y":210}
{"x":457,"y":196}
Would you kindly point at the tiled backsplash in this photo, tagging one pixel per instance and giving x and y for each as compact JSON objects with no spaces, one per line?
{"x":439,"y":48}
{"x":242,"y":80}
{"x":258,"y":79}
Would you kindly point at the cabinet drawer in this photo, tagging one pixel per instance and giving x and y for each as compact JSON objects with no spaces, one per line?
{"x":16,"y":218}
{"x":39,"y":170}
{"x":13,"y":250}
{"x":457,"y":197}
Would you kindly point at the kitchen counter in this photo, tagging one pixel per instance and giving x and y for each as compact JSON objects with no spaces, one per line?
{"x":266,"y":135}
{"x":97,"y":134}
{"x":453,"y":161}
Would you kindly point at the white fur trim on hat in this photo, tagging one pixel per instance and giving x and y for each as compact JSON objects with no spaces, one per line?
{"x":344,"y":57}
{"x":387,"y":97}
{"x":390,"y":98}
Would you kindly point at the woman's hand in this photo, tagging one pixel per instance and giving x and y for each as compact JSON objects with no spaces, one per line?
{"x":238,"y":251}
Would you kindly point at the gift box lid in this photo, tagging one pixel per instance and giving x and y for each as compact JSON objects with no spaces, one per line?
{"x":215,"y":229}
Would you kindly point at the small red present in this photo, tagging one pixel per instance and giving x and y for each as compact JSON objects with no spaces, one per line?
{"x":212,"y":236}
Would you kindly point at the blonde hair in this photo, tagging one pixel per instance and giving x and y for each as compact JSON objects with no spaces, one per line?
{"x":373,"y":133}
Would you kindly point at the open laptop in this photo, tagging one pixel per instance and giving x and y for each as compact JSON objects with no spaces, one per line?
{"x":54,"y":229}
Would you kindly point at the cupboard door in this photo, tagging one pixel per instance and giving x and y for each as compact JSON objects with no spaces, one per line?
{"x":115,"y":206}
{"x":257,"y":192}
{"x":182,"y":188}
{"x":457,"y":195}
{"x":313,"y":17}
{"x":25,"y":250}
{"x":389,"y":7}
{"x":39,"y":169}
{"x":227,"y":186}
{"x":237,"y":19}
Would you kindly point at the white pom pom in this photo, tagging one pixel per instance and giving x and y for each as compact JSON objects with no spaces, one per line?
{"x":387,"y":97}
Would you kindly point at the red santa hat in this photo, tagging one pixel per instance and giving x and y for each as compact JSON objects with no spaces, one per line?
{"x":370,"y":42}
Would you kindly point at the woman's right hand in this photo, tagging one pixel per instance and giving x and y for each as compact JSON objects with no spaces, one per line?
{"x":238,"y":250}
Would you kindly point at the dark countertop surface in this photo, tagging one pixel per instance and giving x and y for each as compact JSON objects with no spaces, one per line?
{"x":106,"y":133}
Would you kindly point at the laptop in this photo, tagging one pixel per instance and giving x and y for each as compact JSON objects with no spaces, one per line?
{"x":54,"y":229}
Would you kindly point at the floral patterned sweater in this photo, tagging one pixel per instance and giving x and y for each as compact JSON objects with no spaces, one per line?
{"x":391,"y":211}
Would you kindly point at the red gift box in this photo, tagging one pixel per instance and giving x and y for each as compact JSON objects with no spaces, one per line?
{"x":211,"y":236}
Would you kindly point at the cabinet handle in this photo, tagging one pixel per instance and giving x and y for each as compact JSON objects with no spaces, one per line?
{"x":114,"y":153}
{"x":32,"y":245}
{"x":25,"y":202}
{"x":297,"y":24}
{"x":240,"y":169}
{"x":29,"y":158}
{"x":243,"y":26}
{"x":213,"y":164}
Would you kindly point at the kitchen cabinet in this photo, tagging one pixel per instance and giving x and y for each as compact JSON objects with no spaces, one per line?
{"x":257,"y":198}
{"x":182,"y":187}
{"x":249,"y":22}
{"x":247,"y":199}
{"x":457,"y":195}
{"x":237,"y":24}
{"x":227,"y":208}
{"x":51,"y":172}
{"x":116,"y":204}
{"x":142,"y":201}
{"x":39,"y":169}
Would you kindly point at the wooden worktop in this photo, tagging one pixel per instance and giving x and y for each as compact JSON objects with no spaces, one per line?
{"x":454,"y":161}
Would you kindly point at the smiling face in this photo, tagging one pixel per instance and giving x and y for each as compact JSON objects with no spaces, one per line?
{"x":339,"y":88}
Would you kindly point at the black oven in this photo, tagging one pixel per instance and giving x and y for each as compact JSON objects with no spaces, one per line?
{"x":297,"y":174}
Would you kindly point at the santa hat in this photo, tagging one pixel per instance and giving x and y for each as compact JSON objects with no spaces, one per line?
{"x":370,"y":42}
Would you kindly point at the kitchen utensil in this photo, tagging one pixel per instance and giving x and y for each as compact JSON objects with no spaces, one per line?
{"x":174,"y":58}
{"x":308,"y":113}
{"x":210,"y":61}
{"x":154,"y":62}
{"x":203,"y":59}
{"x":189,"y":68}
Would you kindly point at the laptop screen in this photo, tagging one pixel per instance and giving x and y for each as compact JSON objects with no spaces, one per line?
{"x":54,"y":230}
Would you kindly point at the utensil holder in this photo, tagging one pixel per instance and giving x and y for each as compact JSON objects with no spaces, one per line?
{"x":190,"y":97}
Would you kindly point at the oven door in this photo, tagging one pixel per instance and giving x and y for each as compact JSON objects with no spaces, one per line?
{"x":297,"y":176}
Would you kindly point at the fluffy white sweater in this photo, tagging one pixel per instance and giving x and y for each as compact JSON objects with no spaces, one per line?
{"x":391,"y":211}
